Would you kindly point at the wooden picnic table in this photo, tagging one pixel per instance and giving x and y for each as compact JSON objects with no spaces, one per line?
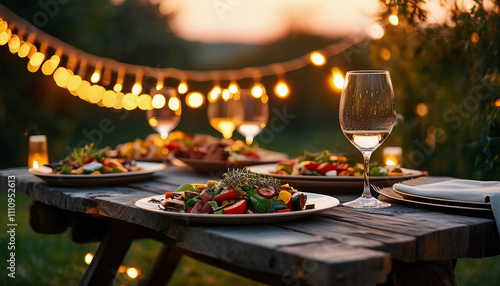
{"x":400,"y":245}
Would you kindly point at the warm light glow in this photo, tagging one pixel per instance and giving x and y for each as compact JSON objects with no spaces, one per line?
{"x":50,"y":65}
{"x":130,"y":101}
{"x":213,"y":95}
{"x":385,"y":54}
{"x":317,"y":58}
{"x":5,"y":37}
{"x":132,"y":272}
{"x":119,"y":100}
{"x":474,"y":38}
{"x":394,"y":20}
{"x":258,"y":90}
{"x":74,"y":82}
{"x":83,"y":89}
{"x":37,"y":151}
{"x":63,"y":77}
{"x":108,"y":98}
{"x":118,"y":87}
{"x":153,"y":122}
{"x":281,"y":89}
{"x":390,"y":163}
{"x":233,"y":87}
{"x":421,"y":109}
{"x":158,"y":101}
{"x":376,"y":31}
{"x":88,"y":258}
{"x":24,"y":50}
{"x":95,"y":93}
{"x":194,"y":99}
{"x":226,"y":95}
{"x":35,"y":164}
{"x":144,"y":102}
{"x":392,"y":156}
{"x":497,"y":102}
{"x":137,"y":88}
{"x":96,"y":76}
{"x":183,"y":87}
{"x":37,"y":59}
{"x":14,"y":44}
{"x":174,"y":103}
{"x":337,"y":78}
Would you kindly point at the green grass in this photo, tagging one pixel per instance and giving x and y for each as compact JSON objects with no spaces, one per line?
{"x":55,"y":260}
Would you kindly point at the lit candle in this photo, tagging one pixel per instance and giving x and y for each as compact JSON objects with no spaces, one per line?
{"x":392,"y":156}
{"x":37,"y":151}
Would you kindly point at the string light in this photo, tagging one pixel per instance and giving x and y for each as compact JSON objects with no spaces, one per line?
{"x":14,"y":44}
{"x":226,"y":95}
{"x":119,"y":81}
{"x":337,"y":78}
{"x":130,"y":101}
{"x":158,"y":101}
{"x":183,"y":87}
{"x":106,"y":76}
{"x":317,"y":58}
{"x":50,"y":65}
{"x":233,"y":87}
{"x":159,"y":83}
{"x":281,"y":89}
{"x":258,"y":90}
{"x":96,"y":76}
{"x":174,"y":103}
{"x":214,"y":93}
{"x":394,"y":20}
{"x":137,"y":87}
{"x":108,"y":98}
{"x":195,"y":99}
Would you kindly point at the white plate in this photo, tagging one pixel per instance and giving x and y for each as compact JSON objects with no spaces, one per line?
{"x":321,"y":202}
{"x":333,"y":184}
{"x":147,"y":170}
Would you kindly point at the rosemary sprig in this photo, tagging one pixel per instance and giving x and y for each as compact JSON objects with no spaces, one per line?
{"x":237,"y":177}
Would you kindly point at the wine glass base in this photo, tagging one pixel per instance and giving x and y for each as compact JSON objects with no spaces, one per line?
{"x":366,"y":203}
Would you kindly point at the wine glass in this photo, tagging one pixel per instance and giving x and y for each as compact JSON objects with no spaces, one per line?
{"x":225,"y":113}
{"x":255,"y":115}
{"x":166,"y":118}
{"x":367,"y":113}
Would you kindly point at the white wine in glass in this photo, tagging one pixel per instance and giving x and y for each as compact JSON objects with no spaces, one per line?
{"x":255,"y":115}
{"x":166,"y":118}
{"x":367,"y":114}
{"x":225,"y":113}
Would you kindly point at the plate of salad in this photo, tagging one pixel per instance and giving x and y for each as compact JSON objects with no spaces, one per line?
{"x":240,"y":197}
{"x":326,"y":173}
{"x":89,"y":166}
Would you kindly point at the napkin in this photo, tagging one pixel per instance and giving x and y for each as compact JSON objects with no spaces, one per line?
{"x":460,"y":190}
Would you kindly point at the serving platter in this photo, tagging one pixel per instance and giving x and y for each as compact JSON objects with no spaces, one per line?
{"x":73,"y":180}
{"x":333,"y":184}
{"x":321,"y":202}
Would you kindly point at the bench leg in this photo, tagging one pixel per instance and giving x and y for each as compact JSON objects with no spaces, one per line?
{"x":164,"y":266}
{"x":107,"y":259}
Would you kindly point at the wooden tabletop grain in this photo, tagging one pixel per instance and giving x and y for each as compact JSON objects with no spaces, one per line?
{"x":340,"y":246}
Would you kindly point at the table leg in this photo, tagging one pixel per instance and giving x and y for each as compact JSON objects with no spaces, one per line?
{"x":422,"y":273}
{"x":108,"y":258}
{"x":164,"y":266}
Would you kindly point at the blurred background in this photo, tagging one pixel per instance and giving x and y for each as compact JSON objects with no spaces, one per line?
{"x":443,"y":57}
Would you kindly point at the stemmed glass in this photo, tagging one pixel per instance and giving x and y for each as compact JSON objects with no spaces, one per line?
{"x":225,"y":113}
{"x":255,"y":115}
{"x":367,"y":113}
{"x":166,"y":118}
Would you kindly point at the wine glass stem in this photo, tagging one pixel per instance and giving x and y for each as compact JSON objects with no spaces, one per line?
{"x":366,"y":172}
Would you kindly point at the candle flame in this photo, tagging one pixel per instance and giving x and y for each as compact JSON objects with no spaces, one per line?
{"x":35,"y":164}
{"x":390,"y":163}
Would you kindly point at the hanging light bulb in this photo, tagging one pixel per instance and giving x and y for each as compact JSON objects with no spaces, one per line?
{"x":108,"y":98}
{"x":82,"y":70}
{"x":281,"y":89}
{"x":158,"y":101}
{"x":174,"y":103}
{"x":5,"y":37}
{"x":119,"y":81}
{"x":394,"y":20}
{"x":96,"y":76}
{"x":35,"y":61}
{"x":258,"y":90}
{"x":130,"y":101}
{"x":50,"y":65}
{"x":337,"y":78}
{"x":214,"y":93}
{"x":183,"y":87}
{"x":317,"y":58}
{"x":159,"y":83}
{"x":137,"y":87}
{"x":83,"y":89}
{"x":144,"y":101}
{"x":119,"y":100}
{"x":14,"y":44}
{"x":226,"y":95}
{"x":195,"y":99}
{"x":233,"y":87}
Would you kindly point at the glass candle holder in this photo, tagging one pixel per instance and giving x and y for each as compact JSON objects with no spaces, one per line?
{"x":37,"y":151}
{"x":392,"y":156}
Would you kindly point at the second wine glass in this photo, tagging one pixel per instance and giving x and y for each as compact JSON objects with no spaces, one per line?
{"x":225,"y":113}
{"x":367,"y":114}
{"x":255,"y":115}
{"x":167,"y":117}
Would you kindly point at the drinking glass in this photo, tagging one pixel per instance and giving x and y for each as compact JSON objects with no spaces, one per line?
{"x":367,"y":114}
{"x":255,"y":115}
{"x":225,"y":113}
{"x":165,"y":119}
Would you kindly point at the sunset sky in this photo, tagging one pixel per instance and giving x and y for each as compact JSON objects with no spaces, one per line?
{"x":261,"y":21}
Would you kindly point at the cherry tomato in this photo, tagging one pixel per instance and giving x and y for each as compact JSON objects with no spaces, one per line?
{"x":168,"y":194}
{"x":283,"y":211}
{"x":312,"y":166}
{"x":325,"y":167}
{"x":237,"y":208}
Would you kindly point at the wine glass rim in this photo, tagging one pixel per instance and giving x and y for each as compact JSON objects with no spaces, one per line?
{"x":368,"y":72}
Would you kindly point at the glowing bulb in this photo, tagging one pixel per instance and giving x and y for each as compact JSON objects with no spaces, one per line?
{"x":421,"y":109}
{"x":108,"y":98}
{"x":37,"y":59}
{"x":24,"y":50}
{"x":214,"y":94}
{"x":3,"y":26}
{"x":63,"y":77}
{"x":390,"y":163}
{"x":194,"y":99}
{"x":183,"y":87}
{"x":88,"y":258}
{"x":337,"y":78}
{"x":137,"y":88}
{"x":153,"y":122}
{"x":144,"y":101}
{"x":50,"y":65}
{"x":95,"y":93}
{"x":233,"y":87}
{"x":83,"y":89}
{"x":497,"y":103}
{"x":119,"y":100}
{"x":318,"y":58}
{"x":226,"y":95}
{"x":74,"y":82}
{"x":174,"y":103}
{"x":376,"y":31}
{"x":118,"y":87}
{"x":130,"y":101}
{"x":394,"y":20}
{"x":5,"y":37}
{"x":35,"y":164}
{"x":258,"y":90}
{"x":158,"y":101}
{"x":281,"y":89}
{"x":14,"y":44}
{"x":132,"y":272}
{"x":95,"y":77}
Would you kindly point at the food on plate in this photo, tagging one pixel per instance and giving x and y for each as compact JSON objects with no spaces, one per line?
{"x":184,"y":145}
{"x":93,"y":161}
{"x":239,"y":192}
{"x":327,"y":164}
